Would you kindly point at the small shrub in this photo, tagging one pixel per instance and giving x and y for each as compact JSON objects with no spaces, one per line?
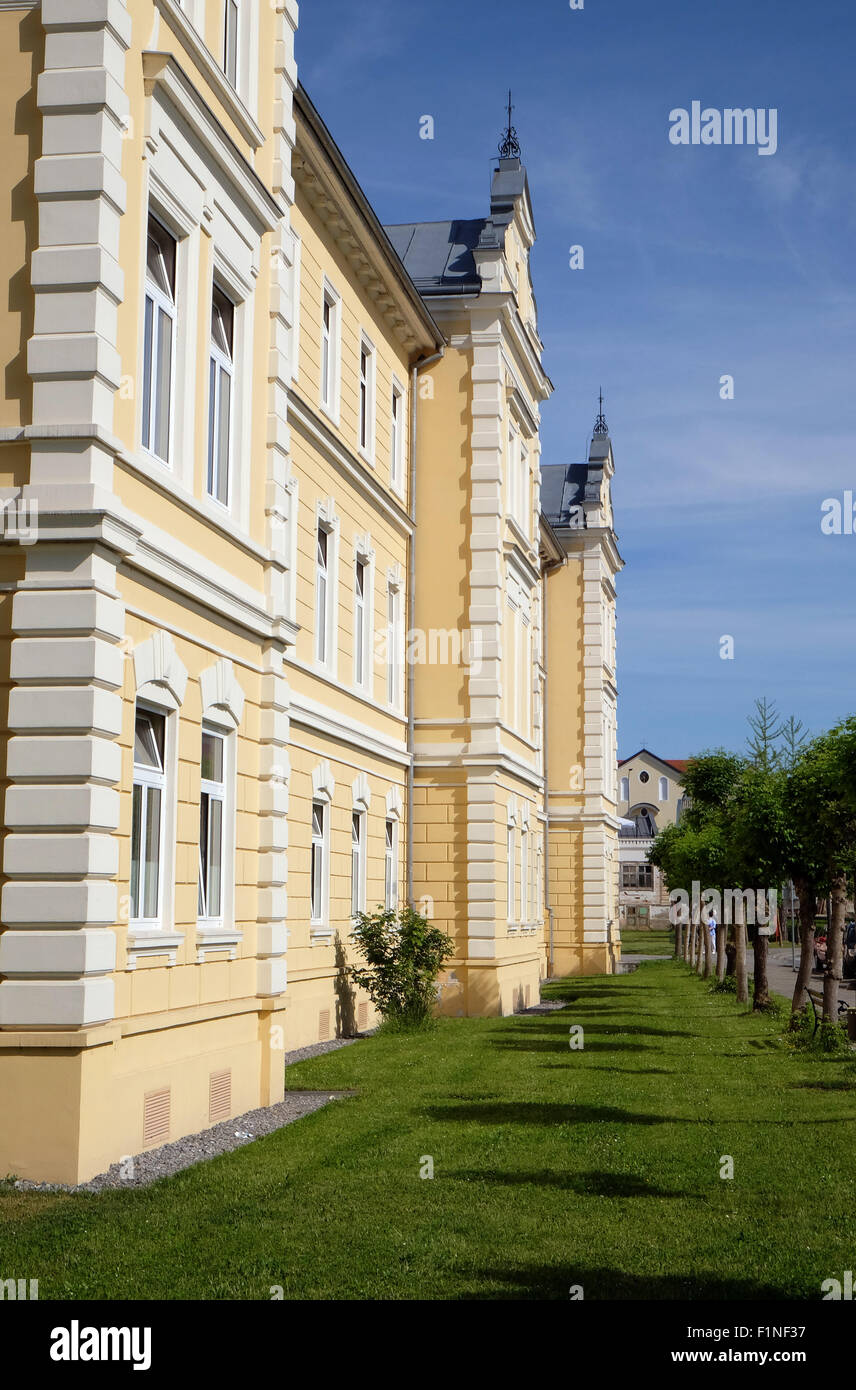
{"x":728,"y":985}
{"x":403,"y":956}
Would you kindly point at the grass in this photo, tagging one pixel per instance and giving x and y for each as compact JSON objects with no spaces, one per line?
{"x":552,"y":1167}
{"x":648,"y":943}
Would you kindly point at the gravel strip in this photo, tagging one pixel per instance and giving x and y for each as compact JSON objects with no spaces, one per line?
{"x":196,"y":1148}
{"x":301,"y":1054}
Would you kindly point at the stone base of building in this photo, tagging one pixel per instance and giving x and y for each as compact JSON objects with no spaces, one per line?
{"x":493,"y":988}
{"x":73,"y":1103}
{"x":600,"y":959}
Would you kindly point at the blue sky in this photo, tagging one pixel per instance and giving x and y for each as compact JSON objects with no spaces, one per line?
{"x":700,"y":261}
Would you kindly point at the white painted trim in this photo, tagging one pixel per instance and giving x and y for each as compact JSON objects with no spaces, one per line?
{"x":213,"y":71}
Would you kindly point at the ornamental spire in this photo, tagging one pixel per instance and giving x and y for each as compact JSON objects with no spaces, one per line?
{"x":509,"y":145}
{"x":601,"y":426}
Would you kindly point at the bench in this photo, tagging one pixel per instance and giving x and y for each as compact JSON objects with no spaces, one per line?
{"x":815,"y":997}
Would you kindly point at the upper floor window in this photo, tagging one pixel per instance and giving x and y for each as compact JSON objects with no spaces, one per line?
{"x":396,"y":445}
{"x":147,"y":815}
{"x":664,"y":788}
{"x":360,"y":623}
{"x":212,"y":802}
{"x":367,"y":410}
{"x":625,"y":789}
{"x":330,"y":351}
{"x":510,"y":876}
{"x":221,"y":372}
{"x":158,"y":341}
{"x":230,"y":41}
{"x":322,"y":595}
{"x":393,"y":646}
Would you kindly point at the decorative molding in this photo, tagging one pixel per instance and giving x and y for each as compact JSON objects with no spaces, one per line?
{"x":222,"y":696}
{"x":361,"y":793}
{"x":160,"y":673}
{"x":394,"y":804}
{"x":323,"y":782}
{"x":144,"y":945}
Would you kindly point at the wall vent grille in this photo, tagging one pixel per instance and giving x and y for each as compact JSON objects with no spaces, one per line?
{"x":324,"y":1025}
{"x":219,"y":1096}
{"x":156,"y":1107}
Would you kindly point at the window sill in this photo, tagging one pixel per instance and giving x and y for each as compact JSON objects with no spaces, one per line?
{"x":145,"y":943}
{"x":320,"y":935}
{"x":331,"y":412}
{"x":367,"y":458}
{"x":215,"y":937}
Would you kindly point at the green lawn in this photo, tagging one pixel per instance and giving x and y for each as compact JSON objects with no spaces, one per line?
{"x":648,"y":943}
{"x":552,"y":1168}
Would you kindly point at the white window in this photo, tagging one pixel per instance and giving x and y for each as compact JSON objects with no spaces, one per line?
{"x":533,"y":881}
{"x":358,"y":862}
{"x":396,"y":447}
{"x":322,"y":595}
{"x":158,"y":341}
{"x":361,"y":627}
{"x":212,"y":821}
{"x":230,"y":41}
{"x":220,"y":376}
{"x":539,"y":881}
{"x":522,"y":508}
{"x":366,"y":429}
{"x":524,"y":870}
{"x":318,"y":863}
{"x":625,"y":789}
{"x":509,"y":863}
{"x":147,"y":816}
{"x":390,"y":877}
{"x":664,"y":788}
{"x":393,"y":641}
{"x":330,"y":351}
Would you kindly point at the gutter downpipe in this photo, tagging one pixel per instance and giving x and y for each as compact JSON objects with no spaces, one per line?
{"x":411,"y":605}
{"x":547,"y":570}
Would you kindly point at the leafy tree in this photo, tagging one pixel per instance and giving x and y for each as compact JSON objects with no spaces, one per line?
{"x":403,"y":956}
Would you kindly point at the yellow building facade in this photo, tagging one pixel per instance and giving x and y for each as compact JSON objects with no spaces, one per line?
{"x":277,"y":585}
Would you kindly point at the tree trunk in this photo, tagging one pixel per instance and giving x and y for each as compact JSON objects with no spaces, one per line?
{"x":834,"y":950}
{"x":701,"y":954}
{"x":721,"y":934}
{"x":761,"y":998}
{"x":740,"y":963}
{"x":678,"y":939}
{"x":805,"y":894}
{"x":688,"y":942}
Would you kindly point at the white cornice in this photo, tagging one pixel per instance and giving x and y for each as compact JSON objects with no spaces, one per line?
{"x":320,"y":719}
{"x":355,"y":473}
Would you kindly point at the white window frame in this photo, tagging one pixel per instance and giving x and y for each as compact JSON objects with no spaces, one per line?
{"x":511,"y":868}
{"x":232,"y":9}
{"x":359,"y":818}
{"x":221,"y":365}
{"x":394,"y":644}
{"x":222,"y":792}
{"x":362,"y":579}
{"x":367,"y":399}
{"x":331,"y":348}
{"x":625,"y":789}
{"x":397,"y":436}
{"x":319,"y":864}
{"x":524,"y":870}
{"x":390,"y":862}
{"x":664,"y":788}
{"x":148,"y":778}
{"x":161,"y":303}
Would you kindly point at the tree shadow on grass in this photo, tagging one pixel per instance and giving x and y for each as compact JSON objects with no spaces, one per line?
{"x":599,"y":1283}
{"x":512,"y":1044}
{"x":533,"y":1112}
{"x":586,"y":1184}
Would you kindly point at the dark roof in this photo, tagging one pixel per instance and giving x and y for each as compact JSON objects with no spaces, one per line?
{"x":563,"y":488}
{"x":438,"y":256}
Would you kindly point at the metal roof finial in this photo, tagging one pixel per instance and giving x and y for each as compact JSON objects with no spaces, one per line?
{"x":509,"y":145}
{"x":601,"y":426}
